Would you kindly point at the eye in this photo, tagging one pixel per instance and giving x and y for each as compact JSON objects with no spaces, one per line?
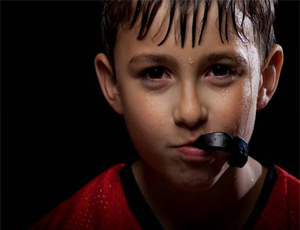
{"x":222,"y":75}
{"x":154,"y":73}
{"x":155,"y":77}
{"x":221,"y":71}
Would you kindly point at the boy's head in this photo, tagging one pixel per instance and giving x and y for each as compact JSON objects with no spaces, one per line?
{"x":175,"y":74}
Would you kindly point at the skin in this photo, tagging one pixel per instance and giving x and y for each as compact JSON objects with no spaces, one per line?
{"x":169,"y":96}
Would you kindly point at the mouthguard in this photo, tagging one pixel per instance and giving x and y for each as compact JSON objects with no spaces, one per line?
{"x":236,"y":147}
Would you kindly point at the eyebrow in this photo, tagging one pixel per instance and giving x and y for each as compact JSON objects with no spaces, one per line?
{"x":152,"y":58}
{"x":207,"y":58}
{"x":235,"y":57}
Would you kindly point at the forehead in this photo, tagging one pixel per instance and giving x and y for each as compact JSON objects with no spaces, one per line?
{"x":187,"y":29}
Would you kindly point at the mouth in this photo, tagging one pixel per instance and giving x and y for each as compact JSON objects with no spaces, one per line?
{"x":193,"y":154}
{"x":200,"y":150}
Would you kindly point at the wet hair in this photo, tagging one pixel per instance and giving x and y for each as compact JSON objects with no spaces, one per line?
{"x":127,"y":13}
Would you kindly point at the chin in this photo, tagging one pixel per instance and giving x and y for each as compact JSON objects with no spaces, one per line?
{"x":201,"y":180}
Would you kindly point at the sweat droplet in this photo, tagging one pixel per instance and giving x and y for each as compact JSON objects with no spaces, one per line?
{"x":190,"y":60}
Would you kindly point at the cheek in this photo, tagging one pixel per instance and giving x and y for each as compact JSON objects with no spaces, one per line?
{"x":248,"y":109}
{"x":237,"y":109}
{"x":145,"y":117}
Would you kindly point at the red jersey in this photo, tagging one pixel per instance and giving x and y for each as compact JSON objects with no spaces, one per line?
{"x":113,"y":201}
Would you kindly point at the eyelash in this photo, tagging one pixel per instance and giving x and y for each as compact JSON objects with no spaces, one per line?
{"x":219,"y":74}
{"x":160,"y":71}
{"x":230,"y":71}
{"x":155,"y":77}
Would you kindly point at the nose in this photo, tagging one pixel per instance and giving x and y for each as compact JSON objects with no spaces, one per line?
{"x":190,"y":109}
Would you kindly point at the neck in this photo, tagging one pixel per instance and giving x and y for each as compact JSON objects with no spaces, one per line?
{"x":233,"y":195}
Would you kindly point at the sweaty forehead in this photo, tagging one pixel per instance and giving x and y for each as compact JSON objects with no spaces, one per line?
{"x":129,"y":45}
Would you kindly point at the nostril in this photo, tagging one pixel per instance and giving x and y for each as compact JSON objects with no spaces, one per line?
{"x":189,"y":108}
{"x":191,"y":114}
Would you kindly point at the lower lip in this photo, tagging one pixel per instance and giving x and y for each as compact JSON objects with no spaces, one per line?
{"x":191,"y":153}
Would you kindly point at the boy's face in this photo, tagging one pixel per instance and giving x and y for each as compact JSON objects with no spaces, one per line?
{"x":172,"y":95}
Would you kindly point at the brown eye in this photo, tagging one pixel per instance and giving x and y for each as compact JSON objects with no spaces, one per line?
{"x":220,"y":70}
{"x":222,"y":75}
{"x":155,"y":77}
{"x":155,"y":73}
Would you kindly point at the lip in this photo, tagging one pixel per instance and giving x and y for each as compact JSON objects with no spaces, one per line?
{"x":190,"y":153}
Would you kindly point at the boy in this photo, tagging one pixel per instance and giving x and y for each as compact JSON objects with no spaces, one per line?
{"x":179,"y":71}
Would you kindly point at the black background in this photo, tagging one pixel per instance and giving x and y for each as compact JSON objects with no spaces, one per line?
{"x":58,"y":132}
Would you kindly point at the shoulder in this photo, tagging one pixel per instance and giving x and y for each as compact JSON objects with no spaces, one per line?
{"x":292,"y":184}
{"x":282,"y":208}
{"x":289,"y":188}
{"x":96,"y":206}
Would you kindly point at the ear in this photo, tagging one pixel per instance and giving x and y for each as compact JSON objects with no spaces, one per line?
{"x":270,"y":76}
{"x":108,"y":82}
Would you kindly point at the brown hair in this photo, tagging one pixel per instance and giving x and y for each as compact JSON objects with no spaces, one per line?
{"x":125,"y":12}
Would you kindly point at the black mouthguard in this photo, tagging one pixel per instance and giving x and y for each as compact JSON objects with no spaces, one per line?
{"x":236,"y":147}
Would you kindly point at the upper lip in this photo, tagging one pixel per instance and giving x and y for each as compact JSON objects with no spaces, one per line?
{"x":188,"y":143}
{"x":191,"y":141}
